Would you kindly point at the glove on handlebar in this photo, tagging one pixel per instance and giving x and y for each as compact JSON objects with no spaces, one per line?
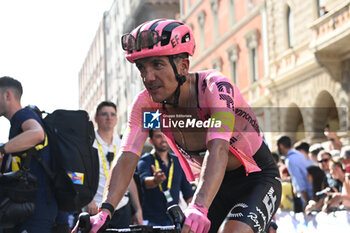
{"x":99,"y":221}
{"x":94,"y":223}
{"x":196,"y":218}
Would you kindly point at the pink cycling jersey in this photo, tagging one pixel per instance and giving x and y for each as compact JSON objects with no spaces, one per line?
{"x":219,"y":99}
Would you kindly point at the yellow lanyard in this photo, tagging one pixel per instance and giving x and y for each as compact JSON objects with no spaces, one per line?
{"x":104,"y":164}
{"x":171,"y":171}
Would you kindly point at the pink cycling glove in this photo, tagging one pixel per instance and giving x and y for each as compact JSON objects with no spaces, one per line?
{"x":196,"y":218}
{"x":97,"y":221}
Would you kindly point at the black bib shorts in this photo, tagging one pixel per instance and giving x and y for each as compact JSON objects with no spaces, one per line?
{"x":252,"y":199}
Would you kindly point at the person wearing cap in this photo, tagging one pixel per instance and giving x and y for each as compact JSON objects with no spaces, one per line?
{"x":220,"y":146}
{"x":314,"y":150}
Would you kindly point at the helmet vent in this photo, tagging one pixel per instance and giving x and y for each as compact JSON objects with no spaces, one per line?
{"x":166,"y":33}
{"x":186,"y":38}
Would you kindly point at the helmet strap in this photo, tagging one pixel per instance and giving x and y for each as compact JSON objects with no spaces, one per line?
{"x":180,"y":80}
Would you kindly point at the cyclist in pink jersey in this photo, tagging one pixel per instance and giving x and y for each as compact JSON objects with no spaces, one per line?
{"x":238,"y":187}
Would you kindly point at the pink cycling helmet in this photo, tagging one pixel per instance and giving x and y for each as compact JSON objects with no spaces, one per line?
{"x":160,"y":37}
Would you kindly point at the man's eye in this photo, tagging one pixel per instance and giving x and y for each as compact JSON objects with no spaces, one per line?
{"x":157,"y":64}
{"x":139,"y":66}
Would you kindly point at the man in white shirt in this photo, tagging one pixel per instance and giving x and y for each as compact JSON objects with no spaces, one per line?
{"x":107,"y":146}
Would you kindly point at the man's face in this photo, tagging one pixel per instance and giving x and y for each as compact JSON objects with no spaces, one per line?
{"x":279,"y":147}
{"x":159,"y":142}
{"x":106,"y":118}
{"x":335,"y":171}
{"x":158,"y":77}
{"x":323,"y":161}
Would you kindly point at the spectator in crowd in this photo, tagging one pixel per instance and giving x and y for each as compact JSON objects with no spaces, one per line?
{"x":335,"y":143}
{"x":162,"y":180}
{"x":296,"y":164}
{"x":27,"y":131}
{"x":324,"y":159}
{"x":303,"y":147}
{"x":314,"y":150}
{"x":335,"y":153}
{"x":342,"y":197}
{"x":323,"y":10}
{"x":316,"y":177}
{"x":345,"y":155}
{"x":107,"y":146}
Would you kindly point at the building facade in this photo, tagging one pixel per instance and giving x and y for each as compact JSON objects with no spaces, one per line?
{"x":289,"y":58}
{"x":309,"y":64}
{"x":92,"y":80}
{"x":231,"y":36}
{"x":118,"y":85}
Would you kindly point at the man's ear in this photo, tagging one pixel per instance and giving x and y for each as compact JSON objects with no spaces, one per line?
{"x":8,"y":95}
{"x":150,"y":141}
{"x":95,"y":118}
{"x":184,"y":66}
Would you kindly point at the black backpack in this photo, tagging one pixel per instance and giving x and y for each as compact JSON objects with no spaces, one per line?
{"x":74,"y":163}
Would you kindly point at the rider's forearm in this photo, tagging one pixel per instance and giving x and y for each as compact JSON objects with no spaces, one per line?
{"x":212,"y":174}
{"x":119,"y":178}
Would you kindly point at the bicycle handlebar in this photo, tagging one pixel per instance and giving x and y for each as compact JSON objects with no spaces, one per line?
{"x":174,"y":211}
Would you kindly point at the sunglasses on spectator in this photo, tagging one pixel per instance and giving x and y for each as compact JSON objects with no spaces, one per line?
{"x":106,"y":114}
{"x":323,"y":160}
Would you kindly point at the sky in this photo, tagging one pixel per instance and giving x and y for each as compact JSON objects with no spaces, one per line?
{"x":43,"y":44}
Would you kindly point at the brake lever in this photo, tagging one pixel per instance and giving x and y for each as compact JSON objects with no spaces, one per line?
{"x":84,"y":223}
{"x":177,"y":216}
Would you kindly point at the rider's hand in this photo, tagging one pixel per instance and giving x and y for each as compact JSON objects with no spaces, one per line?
{"x":98,"y":221}
{"x":196,"y":219}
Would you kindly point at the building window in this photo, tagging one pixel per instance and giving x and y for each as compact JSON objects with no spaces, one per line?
{"x":252,"y":45}
{"x":232,"y":53}
{"x":232,"y":12}
{"x":217,"y":63}
{"x":321,"y":8}
{"x":201,"y":21}
{"x":214,"y":5}
{"x":254,"y":64}
{"x":290,"y":31}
